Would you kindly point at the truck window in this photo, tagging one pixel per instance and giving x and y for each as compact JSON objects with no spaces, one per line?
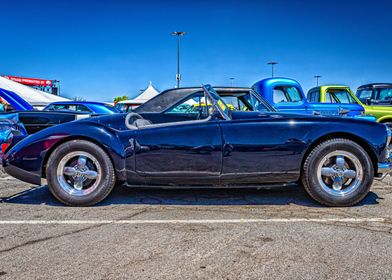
{"x":286,"y":94}
{"x":317,"y":96}
{"x":364,"y":94}
{"x":309,"y":96}
{"x":339,"y":96}
{"x":329,"y":98}
{"x":279,"y":96}
{"x":385,"y":94}
{"x":314,"y":96}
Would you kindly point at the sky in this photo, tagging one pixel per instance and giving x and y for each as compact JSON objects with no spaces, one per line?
{"x":103,"y":49}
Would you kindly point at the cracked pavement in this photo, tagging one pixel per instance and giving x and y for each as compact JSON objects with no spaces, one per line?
{"x":292,"y":250}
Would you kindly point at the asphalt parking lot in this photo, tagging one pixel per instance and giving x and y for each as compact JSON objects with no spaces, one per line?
{"x":194,"y":234}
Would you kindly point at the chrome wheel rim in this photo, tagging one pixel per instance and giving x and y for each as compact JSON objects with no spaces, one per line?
{"x":340,"y":173}
{"x":79,"y":173}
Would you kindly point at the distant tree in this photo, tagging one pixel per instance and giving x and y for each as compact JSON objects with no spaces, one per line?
{"x":78,"y":98}
{"x":120,"y":98}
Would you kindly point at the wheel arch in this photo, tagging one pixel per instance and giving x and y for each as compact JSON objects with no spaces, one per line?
{"x":386,"y":119}
{"x":71,"y":138}
{"x":343,"y":135}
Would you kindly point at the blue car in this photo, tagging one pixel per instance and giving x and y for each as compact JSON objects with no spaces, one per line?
{"x":335,"y":159}
{"x":10,"y":128}
{"x":83,"y":107}
{"x":53,"y":114}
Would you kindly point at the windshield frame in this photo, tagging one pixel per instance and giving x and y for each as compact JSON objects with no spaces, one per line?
{"x":217,"y":102}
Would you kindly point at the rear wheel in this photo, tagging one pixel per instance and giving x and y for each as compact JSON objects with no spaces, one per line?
{"x":80,"y":173}
{"x":338,"y":172}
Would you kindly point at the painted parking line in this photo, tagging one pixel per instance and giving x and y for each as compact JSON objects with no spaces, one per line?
{"x":191,"y":221}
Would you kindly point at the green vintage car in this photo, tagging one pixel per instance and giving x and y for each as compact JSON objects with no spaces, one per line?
{"x":343,"y":94}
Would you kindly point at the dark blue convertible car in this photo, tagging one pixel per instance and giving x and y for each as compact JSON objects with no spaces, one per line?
{"x":198,"y":139}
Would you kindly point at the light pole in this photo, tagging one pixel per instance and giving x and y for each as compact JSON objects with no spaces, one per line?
{"x":272,"y":63}
{"x":317,"y":79}
{"x":232,"y":81}
{"x":178,"y":34}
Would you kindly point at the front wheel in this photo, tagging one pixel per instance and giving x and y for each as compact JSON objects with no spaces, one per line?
{"x":80,"y":173}
{"x":338,"y":172}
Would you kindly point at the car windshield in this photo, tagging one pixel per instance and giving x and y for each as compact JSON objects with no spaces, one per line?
{"x":194,"y":104}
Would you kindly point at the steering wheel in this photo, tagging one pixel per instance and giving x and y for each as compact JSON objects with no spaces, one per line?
{"x":129,"y":117}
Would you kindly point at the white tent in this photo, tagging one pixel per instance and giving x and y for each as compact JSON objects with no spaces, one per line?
{"x":33,"y":96}
{"x":146,"y":95}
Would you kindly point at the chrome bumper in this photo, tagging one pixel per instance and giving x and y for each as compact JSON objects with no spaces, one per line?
{"x":385,"y":168}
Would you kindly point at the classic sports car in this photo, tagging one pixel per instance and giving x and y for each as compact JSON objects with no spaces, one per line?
{"x":335,"y":159}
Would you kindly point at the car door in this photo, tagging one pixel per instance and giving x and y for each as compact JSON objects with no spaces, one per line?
{"x":265,"y":151}
{"x":183,"y":152}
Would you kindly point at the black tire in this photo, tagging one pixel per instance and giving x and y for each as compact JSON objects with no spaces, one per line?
{"x":318,"y":192}
{"x":101,"y":187}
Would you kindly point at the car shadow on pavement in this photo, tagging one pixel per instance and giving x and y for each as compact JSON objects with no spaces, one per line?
{"x":210,"y":197}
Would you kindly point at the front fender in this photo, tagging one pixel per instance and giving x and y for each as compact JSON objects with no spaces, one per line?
{"x":27,"y":159}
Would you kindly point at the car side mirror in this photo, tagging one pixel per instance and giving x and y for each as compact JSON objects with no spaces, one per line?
{"x":343,"y":111}
{"x":369,"y":101}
